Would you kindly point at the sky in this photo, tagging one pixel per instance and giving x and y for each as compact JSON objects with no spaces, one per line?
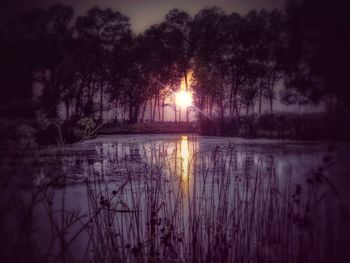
{"x":142,"y":13}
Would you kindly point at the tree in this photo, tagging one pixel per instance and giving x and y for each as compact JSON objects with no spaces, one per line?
{"x":133,"y":78}
{"x":266,"y":45}
{"x":317,"y":56}
{"x":248,"y":95}
{"x":177,"y":24}
{"x":160,"y":65}
{"x":15,"y":75}
{"x":44,"y":36}
{"x":207,"y":37}
{"x":102,"y":34}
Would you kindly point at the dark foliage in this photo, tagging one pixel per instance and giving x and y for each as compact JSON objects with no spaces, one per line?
{"x":94,"y":64}
{"x":281,"y":126}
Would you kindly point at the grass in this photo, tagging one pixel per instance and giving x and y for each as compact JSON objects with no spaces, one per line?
{"x":199,"y":207}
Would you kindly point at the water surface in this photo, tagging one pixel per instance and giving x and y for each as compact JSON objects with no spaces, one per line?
{"x":146,"y":183}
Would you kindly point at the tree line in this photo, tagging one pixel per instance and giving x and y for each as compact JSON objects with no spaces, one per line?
{"x":94,"y":62}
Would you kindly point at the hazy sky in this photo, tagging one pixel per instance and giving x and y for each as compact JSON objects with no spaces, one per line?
{"x":142,"y":13}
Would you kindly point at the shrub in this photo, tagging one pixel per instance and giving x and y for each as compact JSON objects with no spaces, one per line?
{"x":229,"y":127}
{"x":71,"y":130}
{"x":208,"y":126}
{"x":17,"y":133}
{"x":23,"y":109}
{"x":248,"y":125}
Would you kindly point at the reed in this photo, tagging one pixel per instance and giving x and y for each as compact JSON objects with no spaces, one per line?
{"x":217,"y":207}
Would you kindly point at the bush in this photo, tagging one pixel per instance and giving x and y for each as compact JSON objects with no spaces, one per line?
{"x":23,"y":109}
{"x":48,"y":135}
{"x":229,"y":127}
{"x":281,"y":125}
{"x":266,"y":123}
{"x":248,"y":126}
{"x":71,"y":130}
{"x":208,"y":126}
{"x":18,"y":133}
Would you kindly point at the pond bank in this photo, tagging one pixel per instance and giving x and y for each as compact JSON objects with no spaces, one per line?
{"x":150,"y":128}
{"x":315,"y":127}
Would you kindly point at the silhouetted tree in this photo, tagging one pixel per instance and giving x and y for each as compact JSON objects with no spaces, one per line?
{"x":15,"y":74}
{"x":43,"y":36}
{"x":207,"y":36}
{"x":160,"y":65}
{"x":101,"y":32}
{"x":266,"y":43}
{"x":96,"y":62}
{"x":177,"y":25}
{"x":318,"y":57}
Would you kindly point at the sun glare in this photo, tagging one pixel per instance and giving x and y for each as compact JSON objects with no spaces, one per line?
{"x":185,"y":157}
{"x":183,"y":99}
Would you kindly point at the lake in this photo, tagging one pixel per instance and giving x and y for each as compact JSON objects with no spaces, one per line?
{"x":179,"y":198}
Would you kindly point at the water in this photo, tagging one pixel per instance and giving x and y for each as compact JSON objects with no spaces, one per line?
{"x":183,"y":179}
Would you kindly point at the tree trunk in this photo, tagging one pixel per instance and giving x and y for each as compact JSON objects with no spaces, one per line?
{"x":67,"y":104}
{"x":179,"y":114}
{"x":211,"y":105}
{"x":187,"y":114}
{"x":163,"y":106}
{"x":154,"y":109}
{"x":271,"y":104}
{"x":201,"y":106}
{"x":159,"y":108}
{"x":222,"y":109}
{"x":101,"y":103}
{"x":271,"y":87}
{"x":260,"y":99}
{"x":150,"y":110}
{"x":143,"y":111}
{"x":136,"y":113}
{"x":235,"y":107}
{"x":231,"y":101}
{"x":133,"y":113}
{"x":116,"y":110}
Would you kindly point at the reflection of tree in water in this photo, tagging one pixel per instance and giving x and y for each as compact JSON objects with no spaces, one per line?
{"x":109,"y":156}
{"x":134,"y":154}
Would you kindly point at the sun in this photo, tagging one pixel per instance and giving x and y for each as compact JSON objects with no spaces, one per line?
{"x":183,"y":99}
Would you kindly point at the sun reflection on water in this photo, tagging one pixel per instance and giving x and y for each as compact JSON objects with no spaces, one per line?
{"x":184,"y":158}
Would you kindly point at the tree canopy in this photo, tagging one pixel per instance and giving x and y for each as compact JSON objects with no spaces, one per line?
{"x":96,"y":63}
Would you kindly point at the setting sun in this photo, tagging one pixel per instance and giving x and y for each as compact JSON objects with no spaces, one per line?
{"x":183,"y":98}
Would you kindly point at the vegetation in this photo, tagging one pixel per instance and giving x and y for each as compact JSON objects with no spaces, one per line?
{"x":66,"y":78}
{"x":321,"y":126}
{"x":214,"y":208}
{"x":95,"y":64}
